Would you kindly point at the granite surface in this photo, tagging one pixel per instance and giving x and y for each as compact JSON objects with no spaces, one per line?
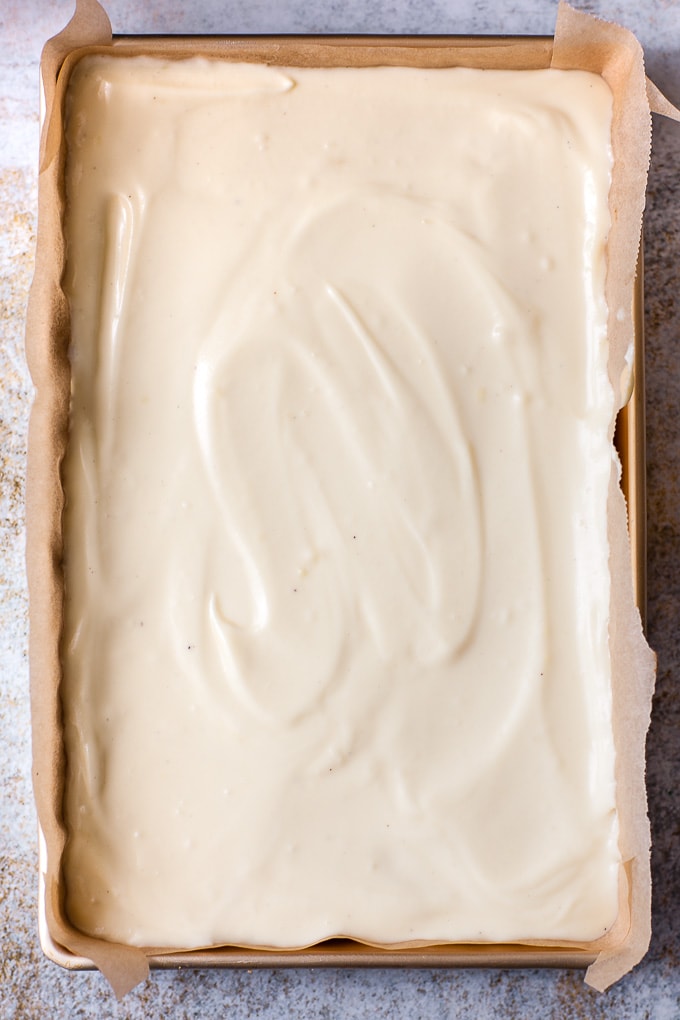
{"x":30,"y":986}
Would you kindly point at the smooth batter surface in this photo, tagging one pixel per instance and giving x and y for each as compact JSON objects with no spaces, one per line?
{"x":335,"y":652}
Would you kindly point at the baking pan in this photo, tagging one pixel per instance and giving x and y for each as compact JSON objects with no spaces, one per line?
{"x":429,"y":51}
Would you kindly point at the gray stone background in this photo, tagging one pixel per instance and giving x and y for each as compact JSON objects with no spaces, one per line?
{"x":30,"y":986}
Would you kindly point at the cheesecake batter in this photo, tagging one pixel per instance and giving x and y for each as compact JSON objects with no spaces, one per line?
{"x":335,"y":648}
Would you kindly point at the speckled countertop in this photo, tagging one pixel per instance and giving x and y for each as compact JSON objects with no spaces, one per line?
{"x":30,"y":986}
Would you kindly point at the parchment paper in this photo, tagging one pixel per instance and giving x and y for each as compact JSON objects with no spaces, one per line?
{"x":581,"y":41}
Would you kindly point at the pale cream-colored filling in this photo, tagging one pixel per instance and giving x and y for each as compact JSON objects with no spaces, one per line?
{"x":336,"y":654}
